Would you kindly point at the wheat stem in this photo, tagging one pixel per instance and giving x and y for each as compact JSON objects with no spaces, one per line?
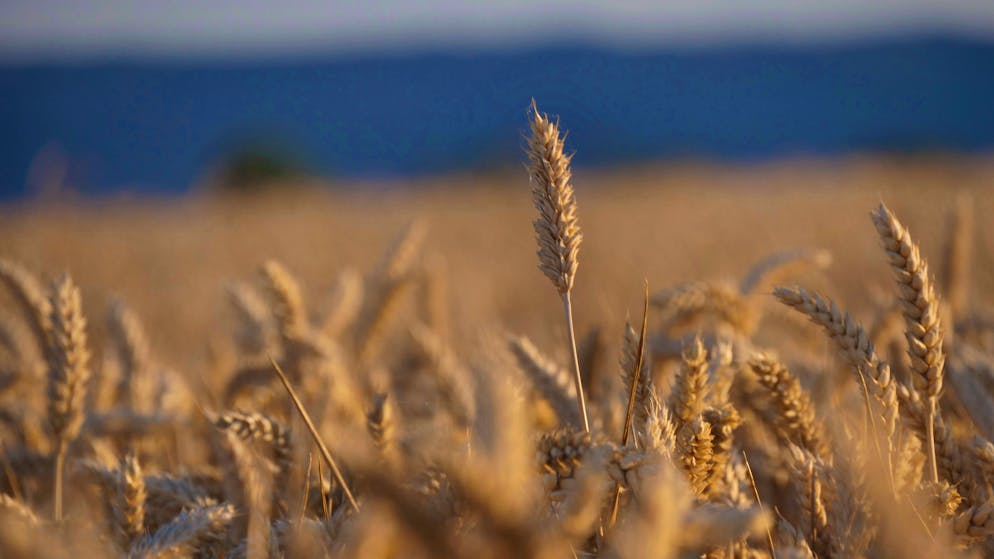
{"x":633,"y":389}
{"x":60,"y":463}
{"x":580,"y":402}
{"x":930,"y":436}
{"x":314,"y":433}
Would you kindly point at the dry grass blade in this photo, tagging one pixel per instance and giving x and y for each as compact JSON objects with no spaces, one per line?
{"x":633,"y":390}
{"x":637,"y":370}
{"x":759,"y":501}
{"x":325,"y":454}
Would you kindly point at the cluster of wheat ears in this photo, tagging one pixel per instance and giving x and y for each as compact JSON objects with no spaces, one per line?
{"x":317,"y":434}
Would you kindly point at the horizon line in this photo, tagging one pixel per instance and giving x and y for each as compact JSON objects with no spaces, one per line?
{"x":304,"y":51}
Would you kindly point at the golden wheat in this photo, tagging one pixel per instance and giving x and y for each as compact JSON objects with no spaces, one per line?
{"x":349,"y":424}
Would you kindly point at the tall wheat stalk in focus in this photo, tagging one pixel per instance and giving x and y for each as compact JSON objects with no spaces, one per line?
{"x":923,"y":326}
{"x":556,"y":228}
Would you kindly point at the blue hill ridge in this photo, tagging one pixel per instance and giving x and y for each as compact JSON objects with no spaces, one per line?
{"x":156,"y":125}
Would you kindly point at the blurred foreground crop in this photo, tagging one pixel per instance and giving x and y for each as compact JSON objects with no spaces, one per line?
{"x":430,"y":353}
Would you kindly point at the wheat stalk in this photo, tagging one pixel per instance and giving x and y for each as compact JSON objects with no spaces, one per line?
{"x":921,"y":316}
{"x":131,"y":498}
{"x":451,"y":378}
{"x":770,"y":271}
{"x":687,"y":302}
{"x":179,"y":537}
{"x":255,"y":330}
{"x":723,"y":421}
{"x":288,"y":301}
{"x":382,"y":427}
{"x":256,"y":426}
{"x":133,"y":355}
{"x":796,"y":412}
{"x":345,"y":303}
{"x":551,"y":381}
{"x":556,"y":229}
{"x":30,"y":295}
{"x":698,"y":454}
{"x":68,"y":374}
{"x":691,"y":384}
{"x":856,"y":347}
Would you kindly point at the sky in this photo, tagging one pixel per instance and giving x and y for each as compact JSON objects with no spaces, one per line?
{"x":33,"y":30}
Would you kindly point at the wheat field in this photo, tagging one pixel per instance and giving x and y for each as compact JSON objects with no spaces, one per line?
{"x":788,"y":359}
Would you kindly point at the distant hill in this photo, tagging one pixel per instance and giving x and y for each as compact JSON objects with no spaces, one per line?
{"x":158,"y":125}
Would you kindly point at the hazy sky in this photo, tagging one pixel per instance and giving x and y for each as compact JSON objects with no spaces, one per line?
{"x":82,"y":28}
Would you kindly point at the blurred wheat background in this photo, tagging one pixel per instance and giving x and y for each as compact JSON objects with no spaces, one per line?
{"x":666,"y":224}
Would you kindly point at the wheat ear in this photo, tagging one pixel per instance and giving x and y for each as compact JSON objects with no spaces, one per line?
{"x":30,"y":295}
{"x":691,"y":384}
{"x":551,"y":381}
{"x":133,"y":354}
{"x":68,"y":374}
{"x":179,"y":537}
{"x":853,"y":342}
{"x":769,"y":271}
{"x":697,"y":456}
{"x":131,"y":498}
{"x":556,"y":228}
{"x":688,"y":302}
{"x":287,"y":299}
{"x":256,"y":426}
{"x":921,"y":316}
{"x":382,"y":428}
{"x":796,"y":413}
